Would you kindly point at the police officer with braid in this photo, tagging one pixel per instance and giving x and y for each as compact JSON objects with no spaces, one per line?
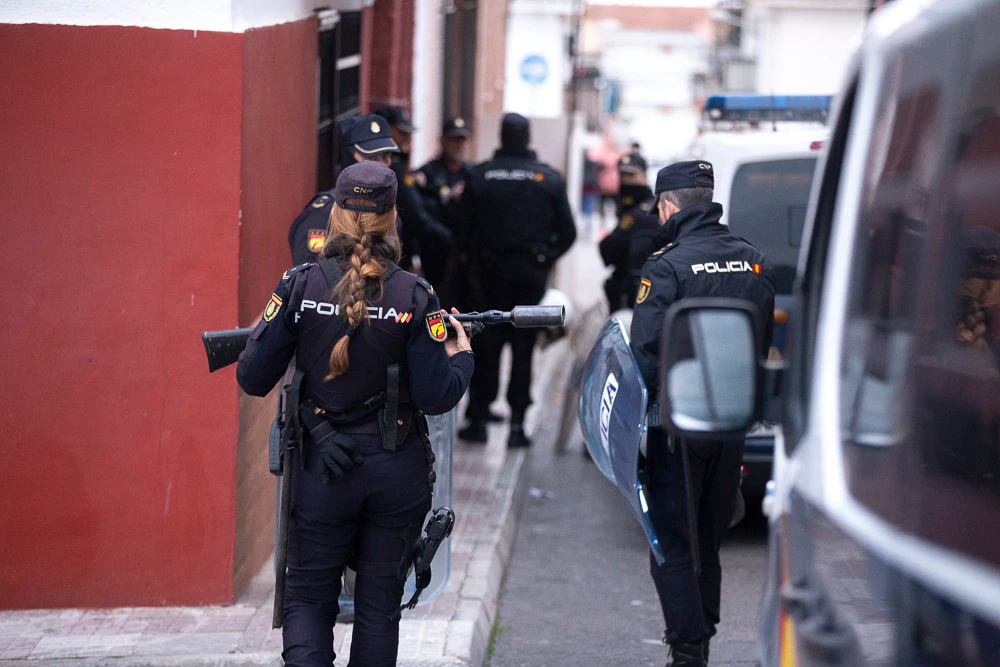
{"x":374,"y":346}
{"x":697,"y":256}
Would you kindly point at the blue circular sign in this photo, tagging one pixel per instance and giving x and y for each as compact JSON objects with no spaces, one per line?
{"x":534,"y":69}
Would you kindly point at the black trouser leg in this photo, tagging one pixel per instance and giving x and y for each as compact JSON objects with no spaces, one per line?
{"x":721,"y":484}
{"x":322,"y":530}
{"x":519,"y":389}
{"x":397,"y":498}
{"x":691,"y":604}
{"x":486,"y":378}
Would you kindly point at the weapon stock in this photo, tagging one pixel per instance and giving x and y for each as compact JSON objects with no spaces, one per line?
{"x":223,"y":347}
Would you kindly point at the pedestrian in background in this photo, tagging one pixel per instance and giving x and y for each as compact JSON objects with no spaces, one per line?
{"x":692,"y":235}
{"x":519,"y":222}
{"x":367,"y":484}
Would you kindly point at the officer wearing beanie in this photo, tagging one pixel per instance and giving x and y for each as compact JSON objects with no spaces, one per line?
{"x":519,"y":223}
{"x":628,"y":245}
{"x":696,"y":256}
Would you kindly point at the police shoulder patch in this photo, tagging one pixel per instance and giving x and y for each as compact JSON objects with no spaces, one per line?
{"x":435,"y":327}
{"x":273,"y":306}
{"x":426,"y":285}
{"x":626,"y":222}
{"x":644,"y":286}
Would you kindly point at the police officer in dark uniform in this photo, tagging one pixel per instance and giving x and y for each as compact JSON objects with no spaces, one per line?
{"x":628,"y":245}
{"x":422,"y":234}
{"x":440,"y":183}
{"x":377,"y":355}
{"x":696,"y":257}
{"x":361,"y":138}
{"x":519,"y":224}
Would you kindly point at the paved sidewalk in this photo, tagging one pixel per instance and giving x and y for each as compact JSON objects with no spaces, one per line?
{"x":454,"y":629}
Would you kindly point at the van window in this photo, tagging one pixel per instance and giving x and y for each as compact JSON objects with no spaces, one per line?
{"x":955,"y":491}
{"x":887,"y":270}
{"x":768,"y":208}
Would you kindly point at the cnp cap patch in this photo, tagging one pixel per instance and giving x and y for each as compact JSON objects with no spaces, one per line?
{"x":643,"y":294}
{"x":273,"y":306}
{"x":316,"y":239}
{"x":436,"y":328}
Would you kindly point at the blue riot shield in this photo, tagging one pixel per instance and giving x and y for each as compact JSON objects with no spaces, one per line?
{"x":613,"y":400}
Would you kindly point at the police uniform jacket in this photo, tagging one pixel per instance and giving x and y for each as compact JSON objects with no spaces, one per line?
{"x":307,"y":233}
{"x":697,"y":257}
{"x":514,"y":204}
{"x":301,"y":309}
{"x":435,"y":183}
{"x":419,"y":227}
{"x":637,"y":223}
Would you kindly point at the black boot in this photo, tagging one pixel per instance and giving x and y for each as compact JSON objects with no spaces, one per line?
{"x":474,"y":431}
{"x":687,"y":655}
{"x":517,"y":438}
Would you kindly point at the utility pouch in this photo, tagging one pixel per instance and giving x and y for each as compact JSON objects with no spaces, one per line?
{"x":394,"y":438}
{"x":274,"y":459}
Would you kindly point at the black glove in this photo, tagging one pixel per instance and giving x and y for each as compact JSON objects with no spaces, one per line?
{"x":337,"y":454}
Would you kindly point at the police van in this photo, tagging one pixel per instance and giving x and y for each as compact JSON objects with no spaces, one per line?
{"x":884,"y":513}
{"x":764,"y":150}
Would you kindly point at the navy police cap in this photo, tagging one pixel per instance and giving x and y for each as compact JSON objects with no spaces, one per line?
{"x":368,"y":135}
{"x":456,"y":127}
{"x":684,"y":175}
{"x":397,"y":118}
{"x":371,"y":182}
{"x":632,"y":163}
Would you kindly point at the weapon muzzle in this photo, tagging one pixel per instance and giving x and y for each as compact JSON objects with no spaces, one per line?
{"x":524,"y":317}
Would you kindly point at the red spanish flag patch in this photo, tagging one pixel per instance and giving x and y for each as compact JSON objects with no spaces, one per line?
{"x":436,"y":328}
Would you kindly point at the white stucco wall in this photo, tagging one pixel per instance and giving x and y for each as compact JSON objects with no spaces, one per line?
{"x":428,"y":71}
{"x":804,"y":48}
{"x":221,"y":15}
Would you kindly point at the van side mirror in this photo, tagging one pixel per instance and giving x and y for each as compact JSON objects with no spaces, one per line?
{"x":709,"y":371}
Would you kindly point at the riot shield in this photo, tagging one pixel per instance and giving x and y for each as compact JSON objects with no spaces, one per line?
{"x":442,"y":434}
{"x":613,"y":400}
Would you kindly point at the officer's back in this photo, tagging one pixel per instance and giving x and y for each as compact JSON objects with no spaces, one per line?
{"x":518,"y":204}
{"x":696,"y":256}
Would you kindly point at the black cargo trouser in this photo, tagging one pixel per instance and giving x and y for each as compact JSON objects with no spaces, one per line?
{"x":691,"y":603}
{"x":507,"y":281}
{"x":369,"y":512}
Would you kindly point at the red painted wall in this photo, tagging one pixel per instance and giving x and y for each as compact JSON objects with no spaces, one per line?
{"x":119,"y":200}
{"x":278,"y":173}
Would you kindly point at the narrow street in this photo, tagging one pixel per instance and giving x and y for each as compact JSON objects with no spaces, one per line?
{"x":578,"y":590}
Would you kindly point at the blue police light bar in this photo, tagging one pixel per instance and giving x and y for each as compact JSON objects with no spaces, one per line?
{"x":768,"y":108}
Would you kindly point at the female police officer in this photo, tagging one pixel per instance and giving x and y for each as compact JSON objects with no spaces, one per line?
{"x":375,"y":351}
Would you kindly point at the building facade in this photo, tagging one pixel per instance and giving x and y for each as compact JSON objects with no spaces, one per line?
{"x":158,"y":154}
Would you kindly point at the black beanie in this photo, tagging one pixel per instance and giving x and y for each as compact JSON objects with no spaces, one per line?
{"x":515,"y":131}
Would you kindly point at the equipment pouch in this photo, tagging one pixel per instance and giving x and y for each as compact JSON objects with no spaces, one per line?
{"x":404,"y":423}
{"x":274,"y":458}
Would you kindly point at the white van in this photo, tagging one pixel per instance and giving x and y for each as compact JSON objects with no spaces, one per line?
{"x":885,"y":509}
{"x":762,"y":179}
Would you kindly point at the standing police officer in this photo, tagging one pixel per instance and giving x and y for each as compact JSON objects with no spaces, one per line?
{"x":440,"y":183}
{"x":375,"y":350}
{"x":519,"y":224}
{"x":361,"y":138}
{"x":692,"y":260}
{"x":422,"y":234}
{"x":628,"y":245}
